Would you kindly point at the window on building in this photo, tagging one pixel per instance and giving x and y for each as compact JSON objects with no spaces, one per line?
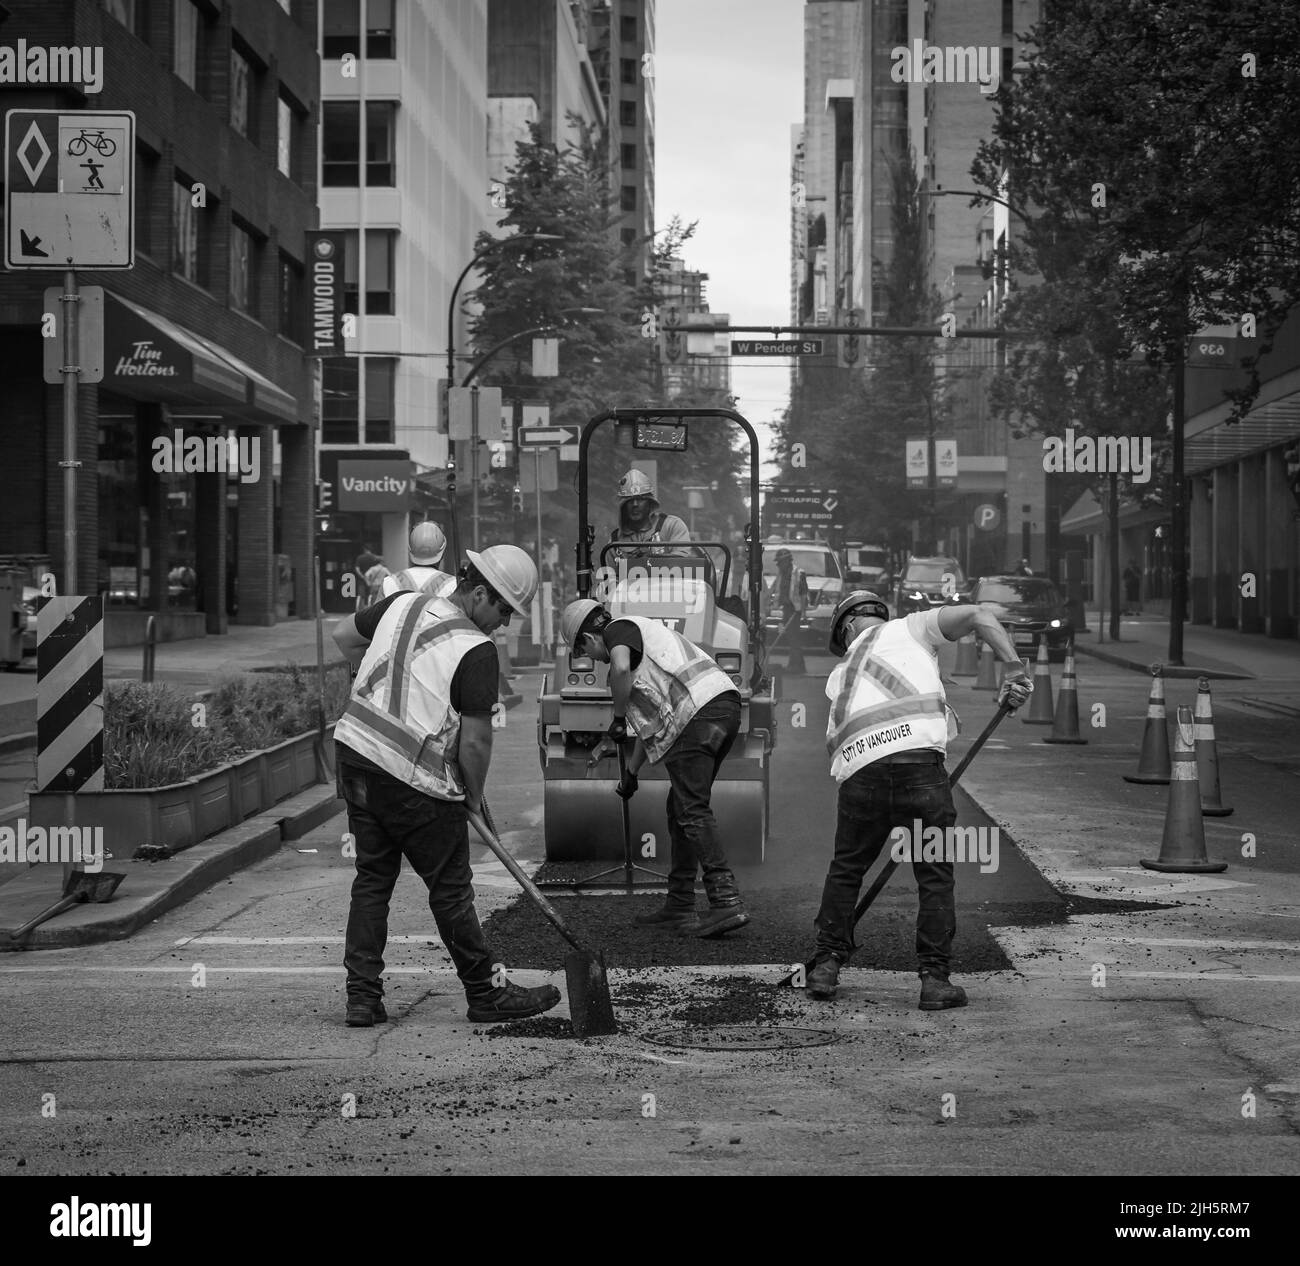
{"x":339,"y":400}
{"x":627,"y":69}
{"x":287,"y":6}
{"x":1008,"y":17}
{"x":628,"y":236}
{"x":381,"y":129}
{"x":627,"y":29}
{"x":130,"y":13}
{"x":1008,"y":65}
{"x":245,"y":77}
{"x":630,"y":278}
{"x":379,"y":30}
{"x":191,"y":234}
{"x":628,"y":198}
{"x":342,"y":28}
{"x":341,"y":144}
{"x":187,"y":28}
{"x":381,"y":374}
{"x":380,"y":274}
{"x":245,"y":252}
{"x":146,"y":192}
{"x":627,"y":154}
{"x":627,"y":113}
{"x":289,"y":307}
{"x":284,"y":147}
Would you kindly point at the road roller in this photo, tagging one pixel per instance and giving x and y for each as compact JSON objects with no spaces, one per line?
{"x":686,"y":587}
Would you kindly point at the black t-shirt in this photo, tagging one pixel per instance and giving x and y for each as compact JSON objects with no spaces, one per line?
{"x":474,"y":684}
{"x":625,"y":633}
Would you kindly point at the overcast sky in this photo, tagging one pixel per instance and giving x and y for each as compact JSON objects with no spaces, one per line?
{"x":728,"y":85}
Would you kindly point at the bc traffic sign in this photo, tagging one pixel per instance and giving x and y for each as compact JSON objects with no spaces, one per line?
{"x":547,"y":436}
{"x":791,"y":505}
{"x":70,"y":189}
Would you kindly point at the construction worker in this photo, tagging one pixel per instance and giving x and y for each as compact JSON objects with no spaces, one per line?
{"x":639,"y":517}
{"x":886,"y":735}
{"x":413,"y":748}
{"x":682,"y":709}
{"x":789,"y":588}
{"x":427,"y":546}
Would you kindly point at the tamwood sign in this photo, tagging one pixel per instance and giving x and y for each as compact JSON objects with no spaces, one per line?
{"x":325,"y":326}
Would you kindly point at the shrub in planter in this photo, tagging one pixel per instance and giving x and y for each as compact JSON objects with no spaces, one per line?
{"x":150,"y":739}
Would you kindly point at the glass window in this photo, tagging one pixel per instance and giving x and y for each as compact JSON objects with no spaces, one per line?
{"x":381,"y":372}
{"x":627,"y":29}
{"x":628,"y":155}
{"x":627,"y":113}
{"x":381,"y":119}
{"x":185,"y":256}
{"x":1013,"y":591}
{"x":242,"y":95}
{"x":123,"y":11}
{"x":287,"y":6}
{"x":379,"y":29}
{"x":628,"y":198}
{"x":186,"y":21}
{"x":340,"y":144}
{"x":379,"y":273}
{"x":627,"y":69}
{"x":146,"y":188}
{"x":284,"y":137}
{"x":342,"y":28}
{"x":243,"y":269}
{"x":339,"y":400}
{"x":628,"y":236}
{"x":122,"y":513}
{"x":1008,"y":17}
{"x":820,"y":563}
{"x":290,"y":302}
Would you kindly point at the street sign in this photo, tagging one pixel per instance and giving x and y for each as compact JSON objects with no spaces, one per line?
{"x":90,"y":335}
{"x":777,"y":347}
{"x":70,"y":189}
{"x":460,"y":412}
{"x":812,"y":506}
{"x":987,"y":516}
{"x":547,"y":436}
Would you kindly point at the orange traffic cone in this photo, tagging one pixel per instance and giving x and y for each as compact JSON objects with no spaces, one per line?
{"x":1207,"y":754}
{"x":967,"y":657}
{"x":987,"y":679}
{"x":1182,"y":847}
{"x":1040,"y":702}
{"x":1065,"y":729}
{"x":1153,"y":761}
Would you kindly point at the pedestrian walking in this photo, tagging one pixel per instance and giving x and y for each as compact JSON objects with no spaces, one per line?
{"x":887,"y":736}
{"x":683,"y":710}
{"x":413,"y":749}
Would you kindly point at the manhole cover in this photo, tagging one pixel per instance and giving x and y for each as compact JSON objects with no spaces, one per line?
{"x":742,"y":1037}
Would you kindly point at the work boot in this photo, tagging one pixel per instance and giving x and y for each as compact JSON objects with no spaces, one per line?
{"x":938,"y":995}
{"x":824,"y":979}
{"x":363,"y":1014}
{"x":670,"y":918}
{"x":719,"y":919}
{"x":512,"y":1002}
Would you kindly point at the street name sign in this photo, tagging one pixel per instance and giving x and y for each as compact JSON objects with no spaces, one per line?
{"x":69,"y":189}
{"x":777,"y":347}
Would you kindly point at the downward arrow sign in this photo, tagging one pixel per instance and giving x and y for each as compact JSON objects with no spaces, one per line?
{"x":30,"y":245}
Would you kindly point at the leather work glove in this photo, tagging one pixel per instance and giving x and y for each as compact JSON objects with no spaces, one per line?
{"x":627,"y":786}
{"x":618,"y":730}
{"x":1016,"y":689}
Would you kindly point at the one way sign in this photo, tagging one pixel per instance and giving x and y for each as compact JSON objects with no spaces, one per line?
{"x":69,"y":189}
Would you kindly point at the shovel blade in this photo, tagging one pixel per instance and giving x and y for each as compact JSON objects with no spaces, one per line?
{"x":97,"y":887}
{"x":590,"y":1006}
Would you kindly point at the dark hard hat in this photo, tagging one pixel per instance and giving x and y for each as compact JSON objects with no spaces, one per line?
{"x":859,"y":601}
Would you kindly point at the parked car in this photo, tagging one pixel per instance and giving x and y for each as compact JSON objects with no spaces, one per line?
{"x":821,"y":565}
{"x":927,"y":582}
{"x":867,"y":567}
{"x":1030,"y":608}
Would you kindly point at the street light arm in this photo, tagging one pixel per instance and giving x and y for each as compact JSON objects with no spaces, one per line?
{"x":505,"y":342}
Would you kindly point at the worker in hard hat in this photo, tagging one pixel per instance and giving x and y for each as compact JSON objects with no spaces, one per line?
{"x":887,"y":736}
{"x":682,"y":709}
{"x":640,"y":521}
{"x":427,"y":546}
{"x":413,"y":748}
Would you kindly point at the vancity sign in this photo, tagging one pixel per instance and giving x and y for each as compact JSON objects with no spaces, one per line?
{"x":323,"y":335}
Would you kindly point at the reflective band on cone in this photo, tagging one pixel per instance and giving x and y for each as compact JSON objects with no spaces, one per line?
{"x":987,"y":679}
{"x":1207,"y":754}
{"x":1065,"y":729}
{"x":1153,"y":761}
{"x":1040,"y":702}
{"x":967,"y":657}
{"x":1182,"y":847}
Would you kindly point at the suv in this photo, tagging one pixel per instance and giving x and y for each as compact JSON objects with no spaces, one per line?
{"x":867,"y":566}
{"x":933,"y":581}
{"x":821,"y":566}
{"x":1031,"y":610}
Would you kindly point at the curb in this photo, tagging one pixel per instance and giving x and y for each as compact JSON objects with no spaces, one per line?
{"x":1215,"y":674}
{"x":197,"y":869}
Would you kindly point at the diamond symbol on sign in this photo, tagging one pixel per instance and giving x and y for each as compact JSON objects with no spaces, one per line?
{"x":33,"y":134}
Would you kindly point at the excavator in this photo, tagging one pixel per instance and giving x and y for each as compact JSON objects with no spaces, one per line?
{"x":687,"y":587}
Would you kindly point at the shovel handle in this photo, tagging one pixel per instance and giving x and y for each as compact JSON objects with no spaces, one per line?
{"x":489,"y":838}
{"x":58,"y":908}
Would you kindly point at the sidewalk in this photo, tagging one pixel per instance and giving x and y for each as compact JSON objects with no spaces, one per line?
{"x":1207,"y":652}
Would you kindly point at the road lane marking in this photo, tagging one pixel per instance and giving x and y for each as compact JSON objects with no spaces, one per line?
{"x":1226,"y":977}
{"x":430,"y":939}
{"x":1290,"y":946}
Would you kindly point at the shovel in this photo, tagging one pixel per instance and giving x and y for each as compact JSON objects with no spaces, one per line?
{"x":81,"y":886}
{"x":890,"y":864}
{"x":590,"y":1006}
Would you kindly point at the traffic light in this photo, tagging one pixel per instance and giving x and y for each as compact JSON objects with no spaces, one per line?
{"x":451,"y":472}
{"x":324,"y":495}
{"x":517,"y":500}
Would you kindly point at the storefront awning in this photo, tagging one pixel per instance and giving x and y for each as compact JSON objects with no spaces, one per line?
{"x":148,"y":356}
{"x":1085,"y":517}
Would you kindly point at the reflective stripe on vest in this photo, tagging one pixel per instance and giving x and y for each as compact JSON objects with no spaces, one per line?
{"x":673,"y":681}
{"x":862,"y":727}
{"x":426,"y":580}
{"x":400,"y":714}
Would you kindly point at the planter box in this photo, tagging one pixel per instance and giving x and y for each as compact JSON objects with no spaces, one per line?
{"x":155,"y":822}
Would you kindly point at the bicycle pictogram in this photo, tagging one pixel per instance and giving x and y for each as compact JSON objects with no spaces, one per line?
{"x":91,"y":139}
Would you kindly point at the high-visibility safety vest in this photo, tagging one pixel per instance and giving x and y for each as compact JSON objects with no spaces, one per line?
{"x":426,"y":580}
{"x":400,"y":714}
{"x":886,"y":697}
{"x":673,"y":681}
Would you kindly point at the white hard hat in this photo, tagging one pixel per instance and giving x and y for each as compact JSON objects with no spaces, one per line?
{"x":575,"y":614}
{"x":427,"y":544}
{"x":509,"y":571}
{"x":636,"y":483}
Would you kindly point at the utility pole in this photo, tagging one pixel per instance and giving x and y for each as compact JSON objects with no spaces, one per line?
{"x":70,"y":464}
{"x":473,"y":461}
{"x":1178,"y":527}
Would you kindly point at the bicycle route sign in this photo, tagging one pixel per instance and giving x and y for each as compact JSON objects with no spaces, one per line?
{"x":69,"y":189}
